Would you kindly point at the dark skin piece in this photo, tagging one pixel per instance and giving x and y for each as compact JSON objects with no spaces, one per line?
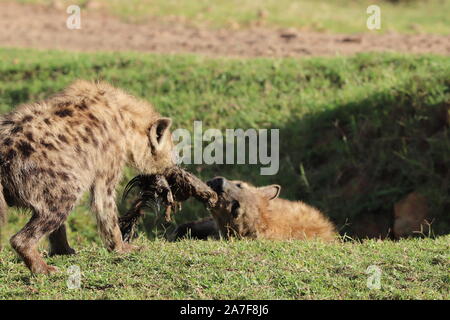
{"x":169,"y":190}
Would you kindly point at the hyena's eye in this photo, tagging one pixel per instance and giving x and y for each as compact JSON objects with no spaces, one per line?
{"x":234,"y":208}
{"x":239,"y":185}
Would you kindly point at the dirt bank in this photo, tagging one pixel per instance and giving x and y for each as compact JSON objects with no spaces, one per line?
{"x":45,"y":28}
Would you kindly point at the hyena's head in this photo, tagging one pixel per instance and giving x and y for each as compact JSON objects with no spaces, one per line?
{"x":240,"y":206}
{"x":155,"y":153}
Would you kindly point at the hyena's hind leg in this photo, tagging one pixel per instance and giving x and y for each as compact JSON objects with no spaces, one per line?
{"x":104,"y":206}
{"x":25,"y":242}
{"x":59,"y":245}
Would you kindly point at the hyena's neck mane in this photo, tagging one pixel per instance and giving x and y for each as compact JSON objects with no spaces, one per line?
{"x":135,"y":113}
{"x":263,"y":221}
{"x":286,"y":219}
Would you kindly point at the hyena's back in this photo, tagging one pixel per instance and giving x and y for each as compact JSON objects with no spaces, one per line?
{"x":297,"y":220}
{"x":47,"y":143}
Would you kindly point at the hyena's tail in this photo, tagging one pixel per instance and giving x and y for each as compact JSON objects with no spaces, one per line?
{"x":3,"y":211}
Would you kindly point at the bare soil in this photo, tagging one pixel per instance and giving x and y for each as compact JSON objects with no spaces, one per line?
{"x":33,"y":26}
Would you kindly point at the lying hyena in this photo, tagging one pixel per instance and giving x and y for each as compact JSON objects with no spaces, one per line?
{"x":251,"y":212}
{"x":51,"y":152}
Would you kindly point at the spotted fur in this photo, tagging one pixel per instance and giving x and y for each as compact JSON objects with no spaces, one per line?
{"x":79,"y":140}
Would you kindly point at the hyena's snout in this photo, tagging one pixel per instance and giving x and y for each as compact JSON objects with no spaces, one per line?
{"x":218,"y":184}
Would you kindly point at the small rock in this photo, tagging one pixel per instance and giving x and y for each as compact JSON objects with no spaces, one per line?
{"x":351,"y":40}
{"x":410,"y":216}
{"x":288,"y":36}
{"x":262,"y":14}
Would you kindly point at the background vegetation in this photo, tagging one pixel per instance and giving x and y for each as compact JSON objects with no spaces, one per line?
{"x":357,"y":134}
{"x":349,"y":16}
{"x":381,"y":117}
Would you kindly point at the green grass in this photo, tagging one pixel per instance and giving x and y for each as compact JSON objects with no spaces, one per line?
{"x":407,"y":16}
{"x":357,"y":134}
{"x":410,"y":269}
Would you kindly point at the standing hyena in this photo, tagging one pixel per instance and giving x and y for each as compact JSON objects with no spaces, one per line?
{"x":51,"y":152}
{"x":248,"y":211}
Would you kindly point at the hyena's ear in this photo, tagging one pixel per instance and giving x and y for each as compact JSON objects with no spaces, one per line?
{"x":270,"y":192}
{"x":159,"y":131}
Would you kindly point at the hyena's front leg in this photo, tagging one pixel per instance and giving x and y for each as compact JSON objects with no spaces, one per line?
{"x":58,"y":242}
{"x":25,"y":242}
{"x":104,"y":206}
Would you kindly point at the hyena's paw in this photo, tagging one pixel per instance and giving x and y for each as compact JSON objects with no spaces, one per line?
{"x":126,"y":247}
{"x":44,"y":269}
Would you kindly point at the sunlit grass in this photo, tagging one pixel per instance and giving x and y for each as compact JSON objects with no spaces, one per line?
{"x":368,"y":114}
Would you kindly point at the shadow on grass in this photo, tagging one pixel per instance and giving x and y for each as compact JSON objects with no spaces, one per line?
{"x":356,"y":161}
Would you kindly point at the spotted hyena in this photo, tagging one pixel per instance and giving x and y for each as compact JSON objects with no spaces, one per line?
{"x":51,"y":152}
{"x":251,"y":212}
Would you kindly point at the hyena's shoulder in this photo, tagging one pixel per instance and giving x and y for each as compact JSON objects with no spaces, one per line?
{"x":299,"y":218}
